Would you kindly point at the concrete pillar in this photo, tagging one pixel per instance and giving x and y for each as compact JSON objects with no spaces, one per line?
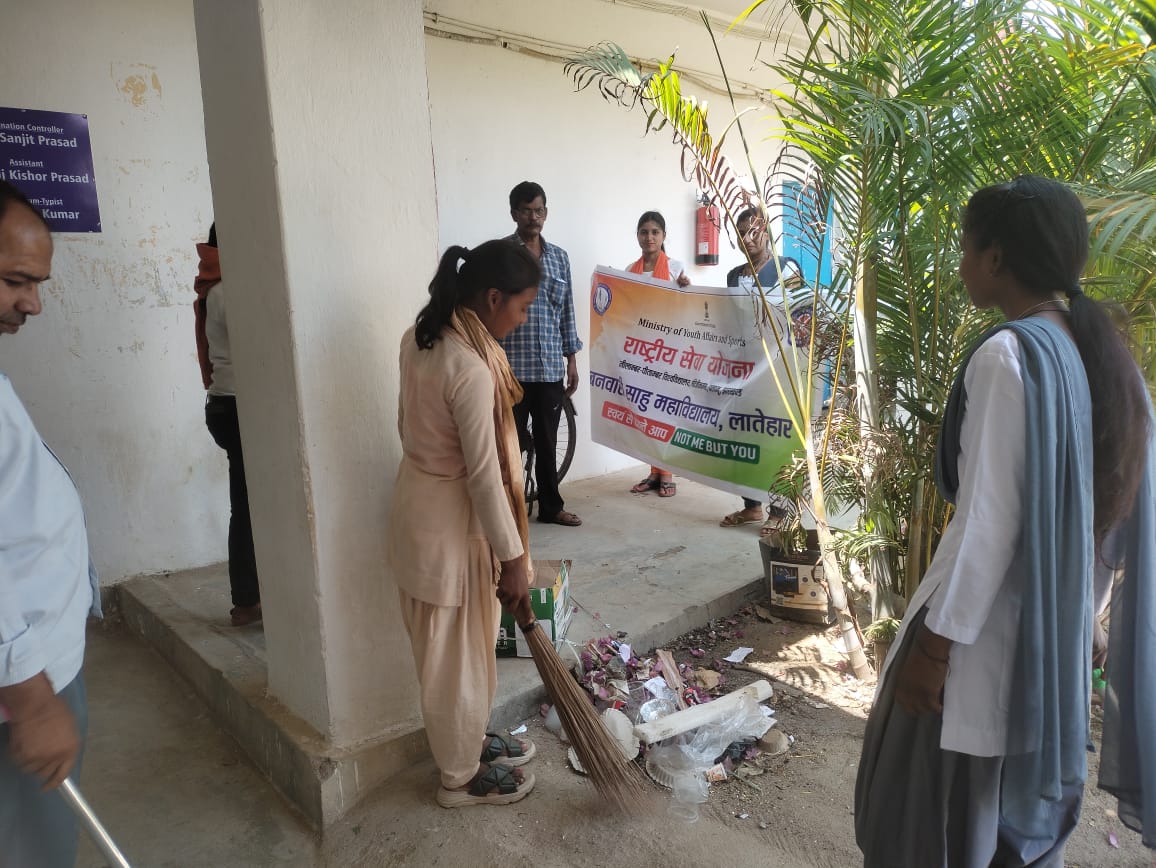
{"x":321,"y":160}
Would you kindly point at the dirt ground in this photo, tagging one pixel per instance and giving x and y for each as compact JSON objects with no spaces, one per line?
{"x":795,"y":813}
{"x":809,"y":793}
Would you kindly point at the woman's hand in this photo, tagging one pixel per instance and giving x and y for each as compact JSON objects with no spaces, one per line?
{"x":683,"y":280}
{"x":514,"y":590}
{"x":919,"y":688}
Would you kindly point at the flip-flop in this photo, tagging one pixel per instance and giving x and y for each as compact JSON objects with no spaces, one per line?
{"x":501,"y":751}
{"x":667,"y":489}
{"x":566,"y":519}
{"x":651,"y":483}
{"x":735,"y":519}
{"x":497,"y":786}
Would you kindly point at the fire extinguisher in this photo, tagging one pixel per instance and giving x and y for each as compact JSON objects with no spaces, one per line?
{"x":706,"y":226}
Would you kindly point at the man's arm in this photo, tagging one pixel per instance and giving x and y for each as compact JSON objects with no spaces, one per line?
{"x":43,"y":736}
{"x":44,"y":740}
{"x":570,"y":342}
{"x":571,"y":374}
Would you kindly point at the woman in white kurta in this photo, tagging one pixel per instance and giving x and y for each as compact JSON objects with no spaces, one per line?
{"x":457,"y":539}
{"x":999,"y":631}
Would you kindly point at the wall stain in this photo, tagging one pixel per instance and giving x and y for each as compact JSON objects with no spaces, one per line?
{"x":135,"y":88}
{"x":151,"y":240}
{"x":140,"y":85}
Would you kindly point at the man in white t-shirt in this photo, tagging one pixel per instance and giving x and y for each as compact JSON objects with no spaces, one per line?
{"x":47,"y":587}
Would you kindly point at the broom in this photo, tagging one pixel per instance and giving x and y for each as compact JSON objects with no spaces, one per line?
{"x":616,"y":778}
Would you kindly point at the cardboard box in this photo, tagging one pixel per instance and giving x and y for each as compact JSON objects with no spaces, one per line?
{"x":550,"y":598}
{"x":795,"y":584}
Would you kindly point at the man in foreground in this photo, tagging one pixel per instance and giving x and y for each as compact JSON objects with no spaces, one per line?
{"x":47,"y":587}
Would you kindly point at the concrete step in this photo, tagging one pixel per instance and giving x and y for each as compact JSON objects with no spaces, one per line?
{"x":652,"y":568}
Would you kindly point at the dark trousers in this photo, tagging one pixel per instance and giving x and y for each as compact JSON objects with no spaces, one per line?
{"x":541,"y":405}
{"x":38,"y":830}
{"x":221,"y":419}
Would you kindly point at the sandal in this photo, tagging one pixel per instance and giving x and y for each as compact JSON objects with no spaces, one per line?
{"x":511,"y":752}
{"x":651,"y":483}
{"x":567,"y":519}
{"x":492,"y":785}
{"x":739,"y":517}
{"x":243,"y":616}
{"x":667,"y":489}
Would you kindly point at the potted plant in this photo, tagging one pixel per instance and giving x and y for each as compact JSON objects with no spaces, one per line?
{"x":881,"y":634}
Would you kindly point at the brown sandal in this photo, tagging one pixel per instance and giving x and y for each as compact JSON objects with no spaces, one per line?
{"x":737,"y":518}
{"x":667,"y":489}
{"x":651,"y":483}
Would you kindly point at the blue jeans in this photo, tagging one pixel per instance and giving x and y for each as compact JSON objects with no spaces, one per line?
{"x":38,"y":830}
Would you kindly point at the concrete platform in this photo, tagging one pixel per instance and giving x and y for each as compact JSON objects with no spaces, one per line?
{"x":652,"y":567}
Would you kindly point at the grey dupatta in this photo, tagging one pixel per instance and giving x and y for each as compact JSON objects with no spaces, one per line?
{"x":1049,"y":719}
{"x":1128,"y":757}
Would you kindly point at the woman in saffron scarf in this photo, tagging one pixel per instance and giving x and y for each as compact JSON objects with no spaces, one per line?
{"x":975,"y":749}
{"x":655,"y":263}
{"x":457,"y":536}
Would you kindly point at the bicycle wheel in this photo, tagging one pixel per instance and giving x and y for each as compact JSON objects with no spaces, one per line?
{"x":566,"y":437}
{"x":531,"y":485}
{"x":565,"y":454}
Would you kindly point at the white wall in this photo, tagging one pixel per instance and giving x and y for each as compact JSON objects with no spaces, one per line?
{"x":109,"y":370}
{"x":500,"y":117}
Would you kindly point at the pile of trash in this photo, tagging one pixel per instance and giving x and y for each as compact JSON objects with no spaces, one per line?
{"x":689,"y":731}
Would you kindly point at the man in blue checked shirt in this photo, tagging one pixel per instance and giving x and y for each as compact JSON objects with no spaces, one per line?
{"x":542,"y":351}
{"x":47,"y":587}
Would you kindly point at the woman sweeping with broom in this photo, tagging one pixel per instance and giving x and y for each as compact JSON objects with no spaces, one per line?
{"x":457,"y":537}
{"x":975,"y":749}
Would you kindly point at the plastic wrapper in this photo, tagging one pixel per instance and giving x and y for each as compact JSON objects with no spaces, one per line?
{"x":696,"y":751}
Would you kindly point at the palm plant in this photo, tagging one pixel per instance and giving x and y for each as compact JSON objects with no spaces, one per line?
{"x":659,"y":93}
{"x":891,"y":115}
{"x":904,"y":109}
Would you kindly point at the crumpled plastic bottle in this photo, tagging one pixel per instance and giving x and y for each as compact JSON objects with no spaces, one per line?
{"x":554,"y":724}
{"x":688,"y":790}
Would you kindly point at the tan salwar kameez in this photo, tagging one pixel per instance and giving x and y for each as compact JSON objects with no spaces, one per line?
{"x":454,"y":519}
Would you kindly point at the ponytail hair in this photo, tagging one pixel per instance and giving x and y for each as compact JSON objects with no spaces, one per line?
{"x":1042,"y":230}
{"x":499,"y":264}
{"x":1120,"y":414}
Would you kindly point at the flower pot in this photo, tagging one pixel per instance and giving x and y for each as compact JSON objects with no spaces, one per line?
{"x":881,"y":651}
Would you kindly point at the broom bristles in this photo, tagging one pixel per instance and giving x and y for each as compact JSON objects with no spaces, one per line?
{"x":616,"y":778}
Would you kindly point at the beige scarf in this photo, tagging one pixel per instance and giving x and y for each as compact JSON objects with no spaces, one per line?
{"x":467,"y":327}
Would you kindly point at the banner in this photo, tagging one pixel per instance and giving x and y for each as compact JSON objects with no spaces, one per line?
{"x":679,"y":379}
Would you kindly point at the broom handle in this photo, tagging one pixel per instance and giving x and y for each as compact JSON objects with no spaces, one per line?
{"x":92,"y":825}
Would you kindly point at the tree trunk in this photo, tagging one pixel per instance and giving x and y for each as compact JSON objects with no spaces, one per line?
{"x":915,"y":532}
{"x":867,"y":404}
{"x":835,"y":585}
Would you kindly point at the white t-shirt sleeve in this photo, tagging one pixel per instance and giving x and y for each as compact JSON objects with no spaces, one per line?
{"x":972,"y":562}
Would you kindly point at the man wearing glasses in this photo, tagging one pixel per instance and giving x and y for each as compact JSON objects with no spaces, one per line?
{"x":542,"y":351}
